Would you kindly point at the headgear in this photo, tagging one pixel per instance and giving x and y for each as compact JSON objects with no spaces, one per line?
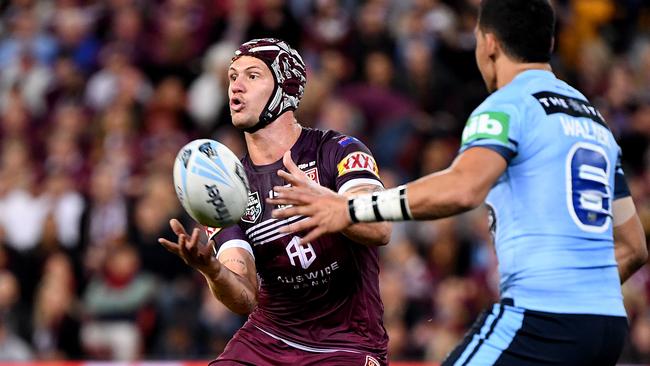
{"x":289,"y":75}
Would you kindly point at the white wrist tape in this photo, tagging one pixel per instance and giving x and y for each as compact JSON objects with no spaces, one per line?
{"x":389,"y":205}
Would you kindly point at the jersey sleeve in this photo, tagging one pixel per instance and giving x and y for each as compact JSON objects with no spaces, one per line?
{"x":230,"y":237}
{"x":352,"y":164}
{"x":621,"y":189}
{"x":497,"y":128}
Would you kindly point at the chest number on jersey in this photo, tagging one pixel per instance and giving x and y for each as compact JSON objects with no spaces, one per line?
{"x":589,"y":195}
{"x":304,"y":254}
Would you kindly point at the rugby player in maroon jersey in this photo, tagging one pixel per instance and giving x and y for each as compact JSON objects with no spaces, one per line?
{"x":316,"y":303}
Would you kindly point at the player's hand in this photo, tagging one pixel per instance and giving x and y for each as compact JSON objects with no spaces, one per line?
{"x":297,"y":178}
{"x":193,"y":253}
{"x":326,"y":212}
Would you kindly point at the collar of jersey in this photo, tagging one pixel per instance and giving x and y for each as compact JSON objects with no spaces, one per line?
{"x":273,"y":167}
{"x":535,"y":73}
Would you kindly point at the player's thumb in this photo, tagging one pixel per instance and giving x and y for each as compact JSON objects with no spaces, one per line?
{"x":289,"y":164}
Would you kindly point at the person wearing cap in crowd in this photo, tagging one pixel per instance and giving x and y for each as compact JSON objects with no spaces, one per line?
{"x":316,"y":303}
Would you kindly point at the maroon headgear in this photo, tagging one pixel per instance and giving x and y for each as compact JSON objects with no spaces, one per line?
{"x":289,"y":75}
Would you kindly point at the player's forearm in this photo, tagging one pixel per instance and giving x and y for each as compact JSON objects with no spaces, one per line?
{"x":629,"y":261}
{"x":376,"y":234}
{"x":233,"y":290}
{"x":441,"y":195}
{"x":629,"y":246}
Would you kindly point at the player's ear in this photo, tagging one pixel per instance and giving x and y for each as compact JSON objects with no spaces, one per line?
{"x":552,"y":44}
{"x":492,"y":45}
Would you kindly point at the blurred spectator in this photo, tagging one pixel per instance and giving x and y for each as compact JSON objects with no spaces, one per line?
{"x":15,"y":120}
{"x":104,"y":224}
{"x":208,"y":95}
{"x":21,"y":203}
{"x":271,"y":18}
{"x":14,"y":313}
{"x":68,"y":83}
{"x":372,"y":33}
{"x":116,"y":300}
{"x":178,"y":39}
{"x":56,"y":321}
{"x":117,"y":78}
{"x":155,"y":206}
{"x":67,"y":207}
{"x":12,"y":348}
{"x":73,"y":27}
{"x":26,"y":36}
{"x":424,"y":81}
{"x":126,"y":33}
{"x":30,"y":79}
{"x":338,"y":115}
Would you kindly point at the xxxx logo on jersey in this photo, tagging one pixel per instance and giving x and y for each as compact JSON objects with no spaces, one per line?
{"x":487,"y":125}
{"x":357,"y":161}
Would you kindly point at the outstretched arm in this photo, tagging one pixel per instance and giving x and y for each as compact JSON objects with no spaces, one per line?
{"x":371,"y":234}
{"x":461,"y":187}
{"x":232,"y":277}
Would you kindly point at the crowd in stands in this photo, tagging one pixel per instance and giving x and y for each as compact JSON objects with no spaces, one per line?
{"x":97,"y":97}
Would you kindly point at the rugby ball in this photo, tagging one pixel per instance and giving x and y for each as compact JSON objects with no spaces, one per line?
{"x":211,"y":183}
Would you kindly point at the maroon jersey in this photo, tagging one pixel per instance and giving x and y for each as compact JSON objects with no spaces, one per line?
{"x":325,"y":295}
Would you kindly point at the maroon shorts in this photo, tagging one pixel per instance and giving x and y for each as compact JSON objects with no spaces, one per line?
{"x":251,"y":346}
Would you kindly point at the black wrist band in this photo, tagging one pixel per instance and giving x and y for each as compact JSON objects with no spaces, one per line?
{"x":353,"y":216}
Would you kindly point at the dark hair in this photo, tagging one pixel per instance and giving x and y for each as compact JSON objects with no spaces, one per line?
{"x":525,"y":28}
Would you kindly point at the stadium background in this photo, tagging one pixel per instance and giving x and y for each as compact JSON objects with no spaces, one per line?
{"x":97,"y":96}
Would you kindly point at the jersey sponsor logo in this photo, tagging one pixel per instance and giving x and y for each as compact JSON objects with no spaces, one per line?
{"x":371,"y":361}
{"x":315,"y":277}
{"x":253,"y":208}
{"x":304,"y":166}
{"x":304,"y":254}
{"x":312,"y":174}
{"x":356,"y":162}
{"x":558,"y":103}
{"x":487,"y":125}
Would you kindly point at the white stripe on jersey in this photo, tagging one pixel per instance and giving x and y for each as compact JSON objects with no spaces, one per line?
{"x":357,"y":182}
{"x":235,"y":243}
{"x":270,"y":230}
{"x":303,"y":347}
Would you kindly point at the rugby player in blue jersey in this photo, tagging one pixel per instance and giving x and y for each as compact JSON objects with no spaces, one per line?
{"x":542,"y":158}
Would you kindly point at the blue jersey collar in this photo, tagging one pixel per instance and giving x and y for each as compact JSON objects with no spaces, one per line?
{"x":535,"y":73}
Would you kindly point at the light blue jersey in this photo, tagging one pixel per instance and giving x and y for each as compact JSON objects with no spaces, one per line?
{"x":552,"y":207}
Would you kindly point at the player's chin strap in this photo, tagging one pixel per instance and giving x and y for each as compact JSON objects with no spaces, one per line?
{"x":389,"y":205}
{"x":266,"y":118}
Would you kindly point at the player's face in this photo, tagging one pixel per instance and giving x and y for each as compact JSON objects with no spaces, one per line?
{"x":484,"y":58}
{"x":250,"y":87}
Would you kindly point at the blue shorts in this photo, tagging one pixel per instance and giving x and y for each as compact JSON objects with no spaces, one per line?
{"x":507,"y":335}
